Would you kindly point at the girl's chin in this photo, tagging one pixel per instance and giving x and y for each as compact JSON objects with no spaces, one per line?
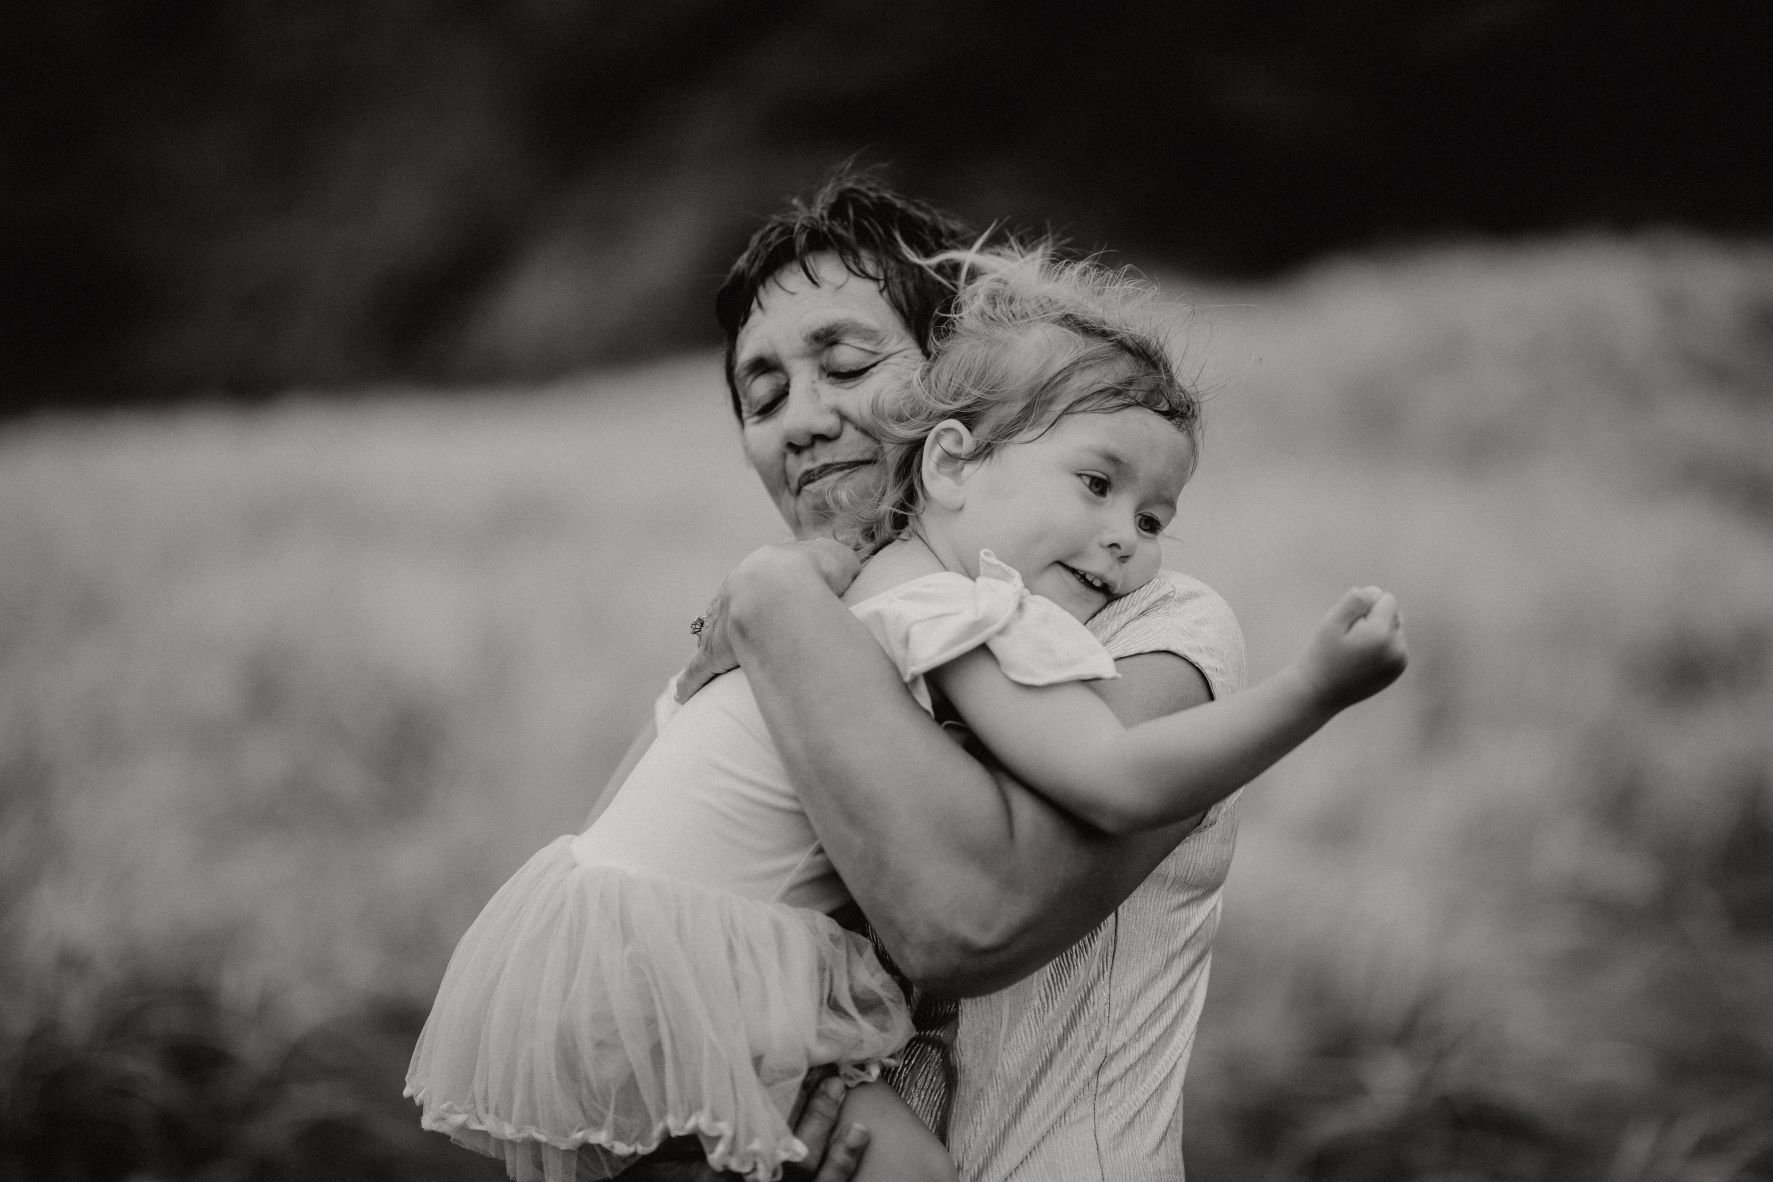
{"x":1076,"y":600}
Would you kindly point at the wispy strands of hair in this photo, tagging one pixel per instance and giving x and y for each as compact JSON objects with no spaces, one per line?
{"x":1028,"y":339}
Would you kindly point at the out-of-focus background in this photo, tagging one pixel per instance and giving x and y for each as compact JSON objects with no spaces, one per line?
{"x":365,"y":453}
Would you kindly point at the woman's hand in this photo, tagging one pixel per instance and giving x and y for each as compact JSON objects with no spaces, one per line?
{"x":834,"y":563}
{"x":832,"y":1155}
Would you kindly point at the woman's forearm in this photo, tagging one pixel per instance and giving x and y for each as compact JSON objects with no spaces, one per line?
{"x":971,"y":882}
{"x":862,"y":755}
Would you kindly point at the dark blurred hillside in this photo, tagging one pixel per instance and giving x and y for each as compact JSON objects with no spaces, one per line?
{"x":247,"y":196}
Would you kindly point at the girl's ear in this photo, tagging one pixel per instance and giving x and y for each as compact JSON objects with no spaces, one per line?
{"x":945,"y":464}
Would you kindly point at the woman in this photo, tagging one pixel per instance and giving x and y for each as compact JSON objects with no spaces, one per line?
{"x":1084,"y":958}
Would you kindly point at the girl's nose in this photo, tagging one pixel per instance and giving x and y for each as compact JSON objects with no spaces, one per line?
{"x":1120,"y":539}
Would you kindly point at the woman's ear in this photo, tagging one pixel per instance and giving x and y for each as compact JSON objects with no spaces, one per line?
{"x":945,"y":464}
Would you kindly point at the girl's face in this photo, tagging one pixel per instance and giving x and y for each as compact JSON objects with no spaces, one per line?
{"x":1077,"y":510}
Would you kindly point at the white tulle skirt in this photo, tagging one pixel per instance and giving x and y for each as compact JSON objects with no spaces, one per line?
{"x":591,"y":1012}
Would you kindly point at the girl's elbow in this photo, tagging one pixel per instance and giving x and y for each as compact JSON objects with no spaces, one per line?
{"x":1127,"y":810}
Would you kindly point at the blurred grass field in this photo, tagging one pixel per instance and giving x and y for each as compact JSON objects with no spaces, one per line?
{"x":286,"y":692}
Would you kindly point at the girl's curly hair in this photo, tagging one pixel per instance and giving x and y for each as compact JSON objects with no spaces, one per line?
{"x":1029,"y":340}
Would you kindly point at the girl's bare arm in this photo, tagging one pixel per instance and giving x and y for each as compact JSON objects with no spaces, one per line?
{"x":1065,"y":743}
{"x":972,"y":880}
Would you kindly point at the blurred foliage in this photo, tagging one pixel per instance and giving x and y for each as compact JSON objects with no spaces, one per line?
{"x":240,"y":197}
{"x":167,"y":1079}
{"x":285,"y":693}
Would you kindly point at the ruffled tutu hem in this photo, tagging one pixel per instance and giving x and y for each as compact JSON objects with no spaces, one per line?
{"x":590,"y":1012}
{"x":531,"y":1154}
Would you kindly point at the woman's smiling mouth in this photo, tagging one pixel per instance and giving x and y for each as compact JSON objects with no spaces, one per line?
{"x":820,"y":472}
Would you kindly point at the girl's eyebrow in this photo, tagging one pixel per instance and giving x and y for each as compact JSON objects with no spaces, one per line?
{"x":1108,"y":456}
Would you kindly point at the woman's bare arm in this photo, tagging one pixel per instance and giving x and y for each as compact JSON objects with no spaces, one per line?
{"x":971,"y":880}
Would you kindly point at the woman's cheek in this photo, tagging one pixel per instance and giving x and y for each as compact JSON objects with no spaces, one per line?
{"x":766,"y":455}
{"x":891,"y":380}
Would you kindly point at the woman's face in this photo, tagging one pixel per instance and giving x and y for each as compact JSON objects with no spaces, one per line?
{"x":806,"y":365}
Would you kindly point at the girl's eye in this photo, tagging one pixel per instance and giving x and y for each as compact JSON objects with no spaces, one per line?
{"x":1098,"y":485}
{"x":1149,"y":524}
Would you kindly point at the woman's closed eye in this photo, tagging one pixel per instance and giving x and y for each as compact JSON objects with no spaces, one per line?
{"x":763,"y":397}
{"x":846,"y":364}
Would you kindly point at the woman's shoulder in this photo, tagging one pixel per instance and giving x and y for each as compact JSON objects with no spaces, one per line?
{"x":1177,"y":613}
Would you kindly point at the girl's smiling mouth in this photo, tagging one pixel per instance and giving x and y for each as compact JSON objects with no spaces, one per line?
{"x":1093,"y":582}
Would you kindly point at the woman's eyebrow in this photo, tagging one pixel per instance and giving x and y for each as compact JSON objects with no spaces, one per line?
{"x":845,"y":331}
{"x":753,"y":365}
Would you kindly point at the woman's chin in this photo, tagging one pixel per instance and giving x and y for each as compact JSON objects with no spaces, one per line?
{"x":834,"y":501}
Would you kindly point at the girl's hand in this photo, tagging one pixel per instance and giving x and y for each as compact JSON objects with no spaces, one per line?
{"x":833,"y":562}
{"x":1358,"y":650}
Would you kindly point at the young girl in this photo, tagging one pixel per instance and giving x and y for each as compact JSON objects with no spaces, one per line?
{"x":674,"y":969}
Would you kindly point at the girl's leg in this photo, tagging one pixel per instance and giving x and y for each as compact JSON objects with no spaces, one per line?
{"x":900,"y":1147}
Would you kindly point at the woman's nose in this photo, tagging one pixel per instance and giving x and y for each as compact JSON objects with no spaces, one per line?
{"x":810,"y":414}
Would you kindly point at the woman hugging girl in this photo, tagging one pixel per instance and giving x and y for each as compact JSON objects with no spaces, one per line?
{"x":674,"y":969}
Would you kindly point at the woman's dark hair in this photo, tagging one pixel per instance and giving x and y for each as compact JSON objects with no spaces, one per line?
{"x":876,"y":233}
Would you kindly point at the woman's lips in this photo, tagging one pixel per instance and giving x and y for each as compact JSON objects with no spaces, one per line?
{"x":824,"y":471}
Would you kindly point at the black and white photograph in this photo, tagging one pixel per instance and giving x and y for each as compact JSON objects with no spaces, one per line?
{"x":886,"y":592}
